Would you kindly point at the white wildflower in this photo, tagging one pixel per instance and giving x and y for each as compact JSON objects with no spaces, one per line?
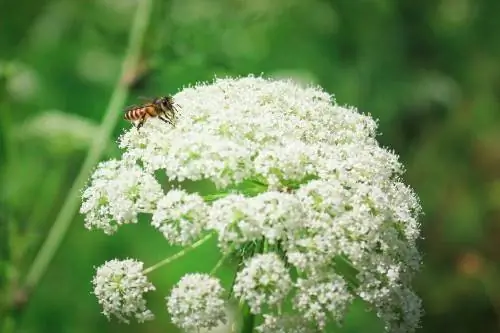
{"x":233,"y":130}
{"x":322,"y":297}
{"x":263,"y":281}
{"x":285,"y":324}
{"x":239,"y":219}
{"x":180,"y":216}
{"x":197,"y":302}
{"x":120,"y":286}
{"x":118,"y":192}
{"x":399,"y":307}
{"x":317,"y":241}
{"x":270,"y":162}
{"x":405,"y":208}
{"x":291,"y":160}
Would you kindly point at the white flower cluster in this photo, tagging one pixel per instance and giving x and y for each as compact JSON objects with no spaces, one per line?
{"x":238,"y":219}
{"x":180,"y":216}
{"x":284,"y":324}
{"x":263,"y":281}
{"x":120,"y":287}
{"x":118,"y":191}
{"x":318,"y":297}
{"x":197,"y":302}
{"x":281,"y":166}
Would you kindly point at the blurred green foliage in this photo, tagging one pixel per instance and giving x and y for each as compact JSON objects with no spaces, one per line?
{"x":428,"y":69}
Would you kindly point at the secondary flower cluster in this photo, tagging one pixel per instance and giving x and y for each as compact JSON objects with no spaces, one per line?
{"x":283,"y":171}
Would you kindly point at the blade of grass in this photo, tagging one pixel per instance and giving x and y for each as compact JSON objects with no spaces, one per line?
{"x":113,"y":111}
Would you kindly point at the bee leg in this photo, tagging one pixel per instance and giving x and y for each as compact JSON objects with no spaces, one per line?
{"x":141,"y":122}
{"x":174,"y":113}
{"x":177,"y":108}
{"x":168,"y":121}
{"x":170,"y":117}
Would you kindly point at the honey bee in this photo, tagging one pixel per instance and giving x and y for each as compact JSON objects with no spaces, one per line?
{"x":162,"y":107}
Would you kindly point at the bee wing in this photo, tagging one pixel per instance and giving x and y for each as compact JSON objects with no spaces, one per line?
{"x":130,"y":107}
{"x":136,"y":106}
{"x":144,"y":98}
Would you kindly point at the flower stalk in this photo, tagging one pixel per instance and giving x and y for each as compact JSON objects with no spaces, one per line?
{"x":111,"y":116}
{"x":178,"y":255}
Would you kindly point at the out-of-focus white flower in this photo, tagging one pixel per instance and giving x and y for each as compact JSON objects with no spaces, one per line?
{"x":180,"y":216}
{"x":197,"y":301}
{"x":120,"y":286}
{"x":22,"y":81}
{"x":289,"y":169}
{"x":263,"y":281}
{"x":118,"y":191}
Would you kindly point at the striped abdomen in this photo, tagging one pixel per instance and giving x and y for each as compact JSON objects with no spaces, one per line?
{"x":140,"y":113}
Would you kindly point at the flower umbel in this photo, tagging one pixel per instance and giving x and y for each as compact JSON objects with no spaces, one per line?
{"x":321,"y":297}
{"x":118,"y":192}
{"x":284,"y":324}
{"x":293,"y":186}
{"x":120,"y":287}
{"x":180,"y":216}
{"x":238,"y":219}
{"x":197,"y":301}
{"x":264,"y":280}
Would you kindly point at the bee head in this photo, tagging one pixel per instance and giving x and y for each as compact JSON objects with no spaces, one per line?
{"x":165,"y":102}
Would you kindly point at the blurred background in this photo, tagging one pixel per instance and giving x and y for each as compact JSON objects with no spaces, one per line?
{"x":429,"y":70}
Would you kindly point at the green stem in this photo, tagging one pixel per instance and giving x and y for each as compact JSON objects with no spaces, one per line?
{"x":178,"y":254}
{"x":112,"y":114}
{"x":248,"y":320}
{"x":248,"y":316}
{"x":219,"y":263}
{"x":216,"y":196}
{"x":266,"y":246}
{"x":347,"y":270}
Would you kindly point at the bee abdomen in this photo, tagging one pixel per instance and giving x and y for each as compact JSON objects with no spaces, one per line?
{"x":134,"y":114}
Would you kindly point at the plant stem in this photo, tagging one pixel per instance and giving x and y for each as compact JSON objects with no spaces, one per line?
{"x":248,"y":316}
{"x":178,"y":254}
{"x":116,"y":102}
{"x":219,"y":263}
{"x":248,"y":320}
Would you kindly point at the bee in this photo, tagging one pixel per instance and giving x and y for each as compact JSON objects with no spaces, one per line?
{"x":162,"y":107}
